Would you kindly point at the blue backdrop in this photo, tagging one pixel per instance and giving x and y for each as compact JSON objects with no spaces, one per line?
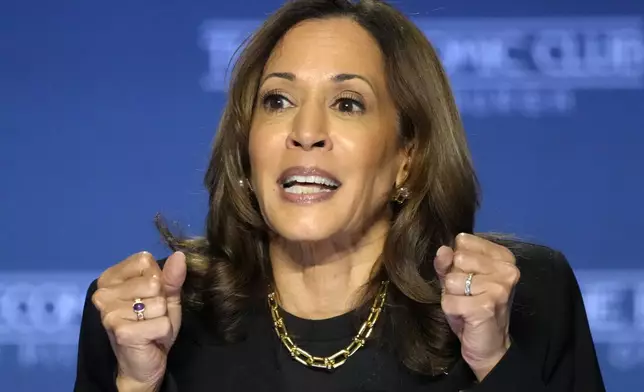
{"x":108,"y":110}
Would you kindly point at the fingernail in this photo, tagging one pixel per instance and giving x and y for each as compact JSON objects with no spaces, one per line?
{"x":438,"y":250}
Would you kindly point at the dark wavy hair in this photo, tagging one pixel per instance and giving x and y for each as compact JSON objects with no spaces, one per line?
{"x":229,"y":266}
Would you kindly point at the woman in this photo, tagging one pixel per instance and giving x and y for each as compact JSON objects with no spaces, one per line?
{"x":338,"y":253}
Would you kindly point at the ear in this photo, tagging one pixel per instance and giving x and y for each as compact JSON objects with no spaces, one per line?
{"x":406,"y":155}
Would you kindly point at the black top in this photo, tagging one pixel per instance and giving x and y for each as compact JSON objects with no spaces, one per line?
{"x":551,"y":349}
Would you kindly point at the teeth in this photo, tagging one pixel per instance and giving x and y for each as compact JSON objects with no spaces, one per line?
{"x":301,"y":190}
{"x":311,"y":180}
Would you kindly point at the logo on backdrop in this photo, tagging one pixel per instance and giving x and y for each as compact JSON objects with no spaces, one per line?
{"x":614,"y":301}
{"x":500,"y":66}
{"x":40,"y":315}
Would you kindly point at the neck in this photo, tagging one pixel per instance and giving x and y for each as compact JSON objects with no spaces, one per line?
{"x":324,"y":279}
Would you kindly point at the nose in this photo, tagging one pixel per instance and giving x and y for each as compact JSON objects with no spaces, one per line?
{"x":310,"y":130}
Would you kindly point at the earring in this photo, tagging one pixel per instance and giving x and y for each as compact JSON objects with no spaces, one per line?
{"x":401,"y":195}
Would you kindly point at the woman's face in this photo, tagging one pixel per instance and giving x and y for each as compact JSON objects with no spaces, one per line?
{"x":324,"y":147}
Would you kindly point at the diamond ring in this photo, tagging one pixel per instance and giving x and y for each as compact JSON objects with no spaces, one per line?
{"x":468,"y":284}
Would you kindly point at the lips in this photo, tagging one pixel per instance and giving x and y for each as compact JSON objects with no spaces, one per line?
{"x":307,"y":184}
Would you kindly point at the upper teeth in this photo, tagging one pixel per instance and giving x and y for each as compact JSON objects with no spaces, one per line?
{"x":311,"y":180}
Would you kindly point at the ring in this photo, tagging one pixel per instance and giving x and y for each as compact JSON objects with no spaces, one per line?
{"x":468,"y":284}
{"x":138,"y":308}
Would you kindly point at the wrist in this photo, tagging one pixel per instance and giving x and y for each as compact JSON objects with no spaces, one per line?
{"x":124,"y":384}
{"x":482,"y":368}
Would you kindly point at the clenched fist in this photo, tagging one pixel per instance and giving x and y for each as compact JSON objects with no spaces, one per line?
{"x":141,"y":339}
{"x":478,"y":278}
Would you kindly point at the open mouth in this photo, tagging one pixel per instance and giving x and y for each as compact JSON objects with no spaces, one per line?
{"x":303,"y":185}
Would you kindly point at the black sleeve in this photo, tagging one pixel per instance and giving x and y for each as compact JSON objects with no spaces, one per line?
{"x":96,"y":363}
{"x":570,"y":363}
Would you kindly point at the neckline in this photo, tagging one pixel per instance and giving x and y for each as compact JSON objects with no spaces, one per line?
{"x":335,"y":328}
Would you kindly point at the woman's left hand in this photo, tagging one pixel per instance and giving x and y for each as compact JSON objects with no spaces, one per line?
{"x":481,"y":320}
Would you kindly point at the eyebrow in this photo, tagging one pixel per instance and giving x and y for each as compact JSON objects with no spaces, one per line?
{"x":335,"y":78}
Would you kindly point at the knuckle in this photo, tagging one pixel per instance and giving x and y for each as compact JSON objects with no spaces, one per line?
{"x":110,"y":320}
{"x":516,"y":276}
{"x":122,"y":335}
{"x":99,"y":297}
{"x":100,"y":282}
{"x":165,"y":327}
{"x":508,"y":255}
{"x":145,"y":260}
{"x":445,"y":303}
{"x":450,"y":281}
{"x":502,"y":294}
{"x":496,"y":290}
{"x":449,"y":306}
{"x":154,"y":285}
{"x":512,"y":274}
{"x":103,"y":279}
{"x":459,"y":257}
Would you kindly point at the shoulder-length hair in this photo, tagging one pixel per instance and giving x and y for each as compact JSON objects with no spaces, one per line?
{"x":229,"y":266}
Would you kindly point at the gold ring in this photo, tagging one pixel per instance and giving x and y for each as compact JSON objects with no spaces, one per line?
{"x":138,"y":307}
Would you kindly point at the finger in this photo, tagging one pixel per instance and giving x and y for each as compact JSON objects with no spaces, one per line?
{"x":174,"y":275}
{"x":138,"y":264}
{"x":140,"y":287}
{"x":455,"y":284}
{"x":443,"y":262}
{"x":120,"y":309}
{"x":470,"y":309}
{"x":473,"y":243}
{"x":469,"y":261}
{"x":138,"y":333}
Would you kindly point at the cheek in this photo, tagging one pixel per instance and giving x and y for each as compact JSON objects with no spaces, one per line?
{"x":255,"y":153}
{"x":264,"y":152}
{"x":374,"y":158}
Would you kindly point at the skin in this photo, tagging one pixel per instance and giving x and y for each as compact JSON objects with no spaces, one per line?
{"x":481,"y":321}
{"x":321,"y":253}
{"x":141,"y":347}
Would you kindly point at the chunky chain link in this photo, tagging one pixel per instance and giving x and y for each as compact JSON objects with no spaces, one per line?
{"x":340,"y":357}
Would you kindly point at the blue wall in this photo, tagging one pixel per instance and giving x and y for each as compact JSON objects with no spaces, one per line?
{"x":108,"y":110}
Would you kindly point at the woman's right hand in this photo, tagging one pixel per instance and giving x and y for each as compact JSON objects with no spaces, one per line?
{"x":141,"y":346}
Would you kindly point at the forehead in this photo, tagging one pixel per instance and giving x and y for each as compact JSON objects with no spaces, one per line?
{"x":334,"y":45}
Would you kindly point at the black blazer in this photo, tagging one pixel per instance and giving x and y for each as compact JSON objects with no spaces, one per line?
{"x":552,"y":349}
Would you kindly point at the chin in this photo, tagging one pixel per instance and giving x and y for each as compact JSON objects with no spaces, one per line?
{"x":306,"y":228}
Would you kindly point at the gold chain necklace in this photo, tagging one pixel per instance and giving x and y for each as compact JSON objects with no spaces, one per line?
{"x":339,"y":358}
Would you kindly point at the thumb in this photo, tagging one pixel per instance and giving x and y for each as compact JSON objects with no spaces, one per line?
{"x":443,"y":262}
{"x":174,"y":274}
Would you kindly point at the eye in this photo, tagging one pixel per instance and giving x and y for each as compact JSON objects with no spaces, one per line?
{"x":274,"y":102}
{"x":349,"y":105}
